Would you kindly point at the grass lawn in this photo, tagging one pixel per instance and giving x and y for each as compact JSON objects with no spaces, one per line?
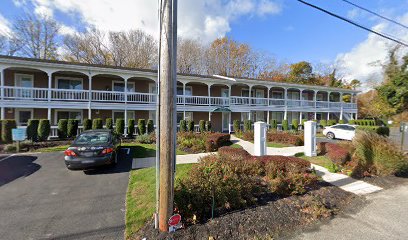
{"x":140,"y":197}
{"x":278,"y":145}
{"x":53,"y":149}
{"x":235,"y":146}
{"x":140,"y":150}
{"x":318,"y":160}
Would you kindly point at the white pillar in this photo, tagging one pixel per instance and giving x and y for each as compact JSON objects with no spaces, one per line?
{"x":315,"y":99}
{"x":341,"y":106}
{"x":328,"y":99}
{"x":310,"y":138}
{"x":286,"y":96}
{"x":250,"y":96}
{"x":229,"y":95}
{"x":49,"y":115}
{"x":49,"y":85}
{"x":126,"y":113}
{"x":328,"y":116}
{"x":184,"y":101}
{"x":260,"y":139}
{"x":315,"y":115}
{"x":2,"y":114}
{"x":90,"y":97}
{"x":300,"y":117}
{"x":209,"y":116}
{"x":209,"y":94}
{"x":285,"y":115}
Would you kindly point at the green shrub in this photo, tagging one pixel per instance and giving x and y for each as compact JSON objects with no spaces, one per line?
{"x":131,"y":127}
{"x":285,"y":125}
{"x":44,"y":129}
{"x":341,"y":121}
{"x":150,"y":126}
{"x":377,"y":155}
{"x":87,"y":124}
{"x":72,"y":127}
{"x":332,"y":122}
{"x":352,"y":122}
{"x":141,"y":125}
{"x":6,"y":127}
{"x":97,"y":123}
{"x":333,"y":168}
{"x":192,"y":142}
{"x":274,"y":124}
{"x":383,"y":131}
{"x":303,"y":122}
{"x":190,"y":125}
{"x":237,"y":125}
{"x":183,"y":126}
{"x":285,"y":138}
{"x":120,"y":126}
{"x":208,"y":126}
{"x":202,"y":126}
{"x":247,"y":125}
{"x":145,"y":139}
{"x":62,"y":128}
{"x":295,"y":124}
{"x":109,"y":123}
{"x":216,"y":140}
{"x":32,"y":126}
{"x":323,"y":123}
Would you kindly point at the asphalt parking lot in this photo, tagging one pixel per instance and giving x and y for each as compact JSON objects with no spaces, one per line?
{"x":41,"y":199}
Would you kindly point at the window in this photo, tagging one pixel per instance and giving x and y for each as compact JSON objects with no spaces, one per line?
{"x":120,"y":86}
{"x":180,"y":115}
{"x":69,"y":115}
{"x":93,"y":138}
{"x":189,"y":90}
{"x":277,"y":95}
{"x":152,"y":115}
{"x":69,"y":83}
{"x":23,"y":115}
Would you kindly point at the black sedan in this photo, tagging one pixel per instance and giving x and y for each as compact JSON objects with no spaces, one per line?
{"x":92,"y":149}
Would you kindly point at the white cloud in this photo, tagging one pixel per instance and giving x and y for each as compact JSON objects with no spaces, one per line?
{"x":204,"y":20}
{"x":4,"y":26}
{"x":67,"y":30}
{"x":364,"y":62}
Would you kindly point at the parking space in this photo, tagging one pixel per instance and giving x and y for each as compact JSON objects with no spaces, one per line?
{"x":41,"y":199}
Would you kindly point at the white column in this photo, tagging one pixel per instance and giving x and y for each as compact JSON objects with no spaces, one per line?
{"x":300,"y":117}
{"x":229,"y":95}
{"x":250,"y":96}
{"x":209,"y":116}
{"x":315,"y":115}
{"x":49,"y":85}
{"x":90,"y":97}
{"x":328,"y":116}
{"x":328,"y":99}
{"x":267,"y":95}
{"x":184,"y":101}
{"x":2,"y":115}
{"x":126,"y":113}
{"x":315,"y":98}
{"x":49,"y":115}
{"x":341,"y":106}
{"x":285,"y":116}
{"x":209,"y":94}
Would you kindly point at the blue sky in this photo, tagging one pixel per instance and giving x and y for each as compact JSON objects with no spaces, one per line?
{"x":287,"y":29}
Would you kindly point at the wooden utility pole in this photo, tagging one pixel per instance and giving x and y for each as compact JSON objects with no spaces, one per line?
{"x":168,"y":83}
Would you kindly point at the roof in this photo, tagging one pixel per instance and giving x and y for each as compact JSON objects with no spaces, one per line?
{"x":214,"y":77}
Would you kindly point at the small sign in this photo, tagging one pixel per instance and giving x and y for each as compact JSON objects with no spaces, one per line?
{"x":18,"y":134}
{"x":404,"y":127}
{"x":174,"y":222}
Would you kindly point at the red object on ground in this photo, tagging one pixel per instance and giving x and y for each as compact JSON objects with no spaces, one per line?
{"x":174,"y":220}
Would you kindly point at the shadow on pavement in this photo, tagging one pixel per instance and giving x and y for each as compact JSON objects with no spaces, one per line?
{"x":16,"y":167}
{"x":124,"y":165}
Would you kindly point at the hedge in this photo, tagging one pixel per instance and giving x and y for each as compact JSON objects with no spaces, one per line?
{"x":295,"y":124}
{"x":285,"y":125}
{"x":97,"y":123}
{"x":72,"y":127}
{"x":331,"y":122}
{"x":323,"y":123}
{"x":202,"y":126}
{"x":274,"y":124}
{"x":141,"y":125}
{"x":32,"y":126}
{"x":109,"y":123}
{"x":247,"y":125}
{"x":341,"y":121}
{"x":120,"y":126}
{"x":150,"y":126}
{"x":62,"y":128}
{"x":6,"y":127}
{"x":383,"y":131}
{"x":190,"y":126}
{"x":208,"y":126}
{"x":236,"y":125}
{"x":216,"y":140}
{"x":363,"y":122}
{"x":44,"y":129}
{"x":183,"y":126}
{"x":285,"y":138}
{"x":131,"y":127}
{"x":87,"y":124}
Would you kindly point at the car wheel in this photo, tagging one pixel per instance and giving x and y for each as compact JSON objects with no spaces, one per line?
{"x":330,"y":135}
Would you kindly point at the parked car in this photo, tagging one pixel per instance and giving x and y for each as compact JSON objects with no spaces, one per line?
{"x":93,"y":148}
{"x":340,"y":131}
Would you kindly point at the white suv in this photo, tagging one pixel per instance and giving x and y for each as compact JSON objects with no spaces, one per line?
{"x":340,"y":131}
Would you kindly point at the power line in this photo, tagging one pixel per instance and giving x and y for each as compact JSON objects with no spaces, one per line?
{"x":355,"y":24}
{"x":376,"y":14}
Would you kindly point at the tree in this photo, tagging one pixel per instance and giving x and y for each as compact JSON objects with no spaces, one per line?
{"x":35,"y":36}
{"x":300,"y":72}
{"x":354,"y":84}
{"x":370,"y":105}
{"x":190,"y":57}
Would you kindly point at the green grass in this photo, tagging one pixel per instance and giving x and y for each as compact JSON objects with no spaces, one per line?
{"x":53,"y":149}
{"x":278,"y":145}
{"x":318,"y":160}
{"x":141,"y":150}
{"x":140,"y":197}
{"x":235,"y":145}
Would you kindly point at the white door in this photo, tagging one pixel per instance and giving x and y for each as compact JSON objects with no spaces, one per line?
{"x":24,"y":81}
{"x":225,"y":121}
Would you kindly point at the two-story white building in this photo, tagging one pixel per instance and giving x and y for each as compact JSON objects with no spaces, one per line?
{"x":43,"y":89}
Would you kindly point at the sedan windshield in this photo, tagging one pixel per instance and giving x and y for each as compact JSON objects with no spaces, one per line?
{"x":92,"y":138}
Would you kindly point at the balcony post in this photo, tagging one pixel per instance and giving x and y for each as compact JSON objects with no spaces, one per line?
{"x":341,"y":106}
{"x":315,"y":99}
{"x":285,"y":116}
{"x":328,"y":99}
{"x":126,"y":113}
{"x":300,"y":117}
{"x":49,"y":85}
{"x":2,"y":94}
{"x":90,"y":96}
{"x":184,"y":100}
{"x":209,"y":94}
{"x":268,"y":113}
{"x":250,"y":97}
{"x":229,"y":95}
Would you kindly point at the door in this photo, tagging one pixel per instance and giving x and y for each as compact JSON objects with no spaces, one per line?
{"x":225,"y":121}
{"x":24,"y":81}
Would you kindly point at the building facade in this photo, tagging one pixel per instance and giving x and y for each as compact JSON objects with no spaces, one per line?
{"x":41,"y":89}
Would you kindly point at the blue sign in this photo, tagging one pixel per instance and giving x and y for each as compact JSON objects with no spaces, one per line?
{"x":18,"y":134}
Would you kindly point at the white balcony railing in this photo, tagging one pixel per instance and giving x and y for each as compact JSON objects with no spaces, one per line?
{"x":25,"y":93}
{"x":21,"y":93}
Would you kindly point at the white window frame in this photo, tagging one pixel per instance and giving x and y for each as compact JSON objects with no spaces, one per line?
{"x":56,"y":111}
{"x":17,"y":115}
{"x":18,"y":76}
{"x":57,"y":79}
{"x":131,"y":83}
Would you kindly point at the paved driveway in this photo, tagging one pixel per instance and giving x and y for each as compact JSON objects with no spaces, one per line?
{"x":41,"y":199}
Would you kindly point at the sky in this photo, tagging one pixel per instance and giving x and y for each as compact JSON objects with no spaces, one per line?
{"x":287,"y":29}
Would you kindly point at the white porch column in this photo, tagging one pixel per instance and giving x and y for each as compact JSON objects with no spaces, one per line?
{"x":285,"y":115}
{"x":315,"y":98}
{"x":209,"y":94}
{"x":49,"y":85}
{"x":2,"y":115}
{"x":328,"y":116}
{"x":90,"y":97}
{"x":341,"y":106}
{"x":328,"y":99}
{"x":209,"y":116}
{"x":250,"y":96}
{"x":49,"y":115}
{"x":184,"y":100}
{"x":267,"y":95}
{"x":126,"y":113}
{"x":315,"y":115}
{"x":300,"y":117}
{"x":229,"y":95}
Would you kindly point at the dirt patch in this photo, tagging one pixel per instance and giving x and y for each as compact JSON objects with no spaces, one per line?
{"x":277,"y":218}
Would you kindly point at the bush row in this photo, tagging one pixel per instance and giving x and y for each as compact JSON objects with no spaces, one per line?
{"x":363,"y":122}
{"x":285,"y":138}
{"x":37,"y":130}
{"x":188,"y":126}
{"x":201,"y":142}
{"x":383,"y":131}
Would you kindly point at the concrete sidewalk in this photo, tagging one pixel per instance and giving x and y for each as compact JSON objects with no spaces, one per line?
{"x":340,"y":180}
{"x":139,"y":163}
